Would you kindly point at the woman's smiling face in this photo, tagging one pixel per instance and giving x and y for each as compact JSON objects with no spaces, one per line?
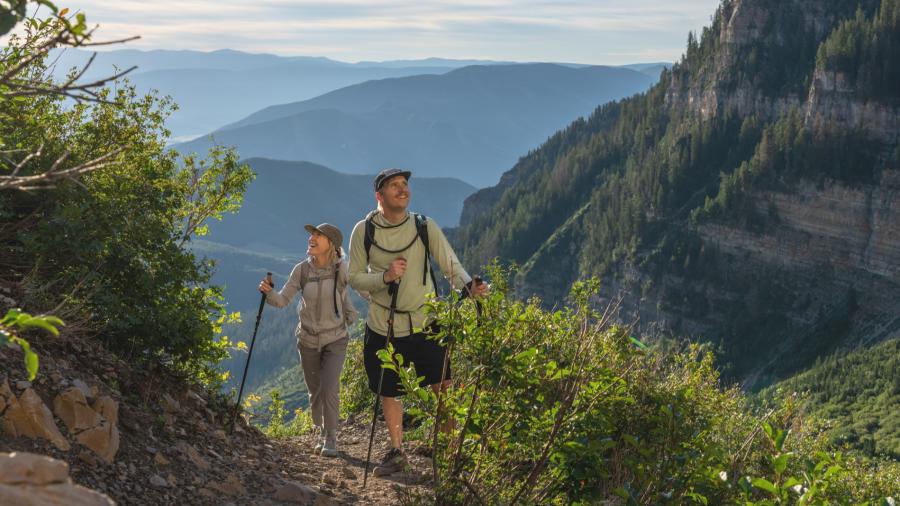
{"x":317,"y":245}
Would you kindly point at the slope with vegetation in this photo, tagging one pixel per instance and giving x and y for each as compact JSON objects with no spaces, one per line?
{"x":563,"y":407}
{"x":750,"y":198}
{"x":856,"y":395}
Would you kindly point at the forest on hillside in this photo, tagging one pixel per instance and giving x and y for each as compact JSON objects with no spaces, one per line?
{"x":637,"y":192}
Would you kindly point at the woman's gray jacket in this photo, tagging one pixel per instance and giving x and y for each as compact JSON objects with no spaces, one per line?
{"x":318,"y":325}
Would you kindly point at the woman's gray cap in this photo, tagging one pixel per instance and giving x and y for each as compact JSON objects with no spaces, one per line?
{"x":386,"y":174}
{"x":328,"y":230}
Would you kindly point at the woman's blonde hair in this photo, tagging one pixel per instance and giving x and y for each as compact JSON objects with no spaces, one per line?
{"x":334,"y":253}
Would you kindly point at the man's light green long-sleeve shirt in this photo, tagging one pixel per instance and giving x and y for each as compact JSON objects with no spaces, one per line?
{"x":368,"y":276}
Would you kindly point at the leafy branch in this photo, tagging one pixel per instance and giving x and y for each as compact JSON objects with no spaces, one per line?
{"x":16,"y":321}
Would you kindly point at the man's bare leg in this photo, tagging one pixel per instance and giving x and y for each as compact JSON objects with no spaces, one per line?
{"x":393,"y":417}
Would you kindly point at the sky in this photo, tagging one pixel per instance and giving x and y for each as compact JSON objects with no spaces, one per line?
{"x":577,"y":31}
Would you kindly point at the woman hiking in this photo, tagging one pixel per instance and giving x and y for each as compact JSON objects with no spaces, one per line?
{"x":325,"y":312}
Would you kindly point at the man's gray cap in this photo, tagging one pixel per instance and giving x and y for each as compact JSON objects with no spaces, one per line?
{"x":386,"y":174}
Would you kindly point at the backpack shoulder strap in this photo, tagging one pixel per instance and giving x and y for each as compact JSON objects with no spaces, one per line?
{"x":337,"y":276}
{"x":422,"y":231}
{"x":369,"y":235}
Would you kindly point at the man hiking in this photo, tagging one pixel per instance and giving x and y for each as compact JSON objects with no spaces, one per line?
{"x":389,"y":260}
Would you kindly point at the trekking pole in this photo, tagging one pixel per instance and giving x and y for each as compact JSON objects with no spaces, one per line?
{"x":262,"y":304}
{"x":393,"y":288}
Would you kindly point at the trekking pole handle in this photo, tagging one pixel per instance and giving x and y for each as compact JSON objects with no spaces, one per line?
{"x":269,"y":279}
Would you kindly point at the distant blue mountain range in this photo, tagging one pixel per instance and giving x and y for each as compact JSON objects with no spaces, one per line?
{"x":217,"y":88}
{"x":472,"y":123}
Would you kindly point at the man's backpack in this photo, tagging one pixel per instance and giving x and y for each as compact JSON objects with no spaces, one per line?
{"x":304,"y":278}
{"x":421,"y":234}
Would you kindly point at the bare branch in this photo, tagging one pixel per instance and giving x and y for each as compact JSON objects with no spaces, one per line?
{"x":47,"y":179}
{"x":109,"y":42}
{"x":79,"y":92}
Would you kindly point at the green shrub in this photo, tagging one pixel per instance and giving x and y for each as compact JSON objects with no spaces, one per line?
{"x":110,"y":248}
{"x":564,"y":407}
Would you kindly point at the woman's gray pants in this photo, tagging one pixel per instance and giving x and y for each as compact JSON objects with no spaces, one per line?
{"x":322,"y":372}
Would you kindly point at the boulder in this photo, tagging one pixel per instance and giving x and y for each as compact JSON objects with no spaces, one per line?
{"x":94,"y":427}
{"x":32,"y":469}
{"x":27,"y":479}
{"x":30,"y":417}
{"x":72,"y":408}
{"x":102,"y":439}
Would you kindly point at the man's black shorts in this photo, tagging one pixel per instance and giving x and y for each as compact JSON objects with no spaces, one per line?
{"x":426,"y":354}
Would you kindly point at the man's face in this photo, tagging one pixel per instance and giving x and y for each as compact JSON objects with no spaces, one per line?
{"x":395,"y":193}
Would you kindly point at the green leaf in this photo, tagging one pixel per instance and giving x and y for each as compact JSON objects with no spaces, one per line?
{"x":780,"y":462}
{"x":31,"y":358}
{"x":37,"y":321}
{"x":764,"y":484}
{"x":780,"y":437}
{"x":11,"y":316}
{"x":525,"y":355}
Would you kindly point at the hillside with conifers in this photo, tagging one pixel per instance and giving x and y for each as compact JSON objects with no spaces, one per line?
{"x":855,"y":395}
{"x":748,"y":200}
{"x":111,"y":338}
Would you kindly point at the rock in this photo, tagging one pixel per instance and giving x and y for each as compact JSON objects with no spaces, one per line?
{"x":348,"y":473}
{"x":172,"y":480}
{"x":158,"y":481}
{"x":324,"y":500}
{"x":330,"y":479}
{"x":27,"y":479}
{"x":88,"y":458}
{"x":231,"y":486}
{"x":32,"y":469}
{"x":83,"y":388}
{"x":220,"y":434}
{"x":196,"y":397}
{"x":169,"y":404}
{"x":56,"y":377}
{"x":72,"y":408}
{"x":295,"y":492}
{"x":30,"y":417}
{"x":194,"y":456}
{"x":23,"y":385}
{"x":94,"y":427}
{"x":160,"y":459}
{"x":208,"y":493}
{"x":108,"y":408}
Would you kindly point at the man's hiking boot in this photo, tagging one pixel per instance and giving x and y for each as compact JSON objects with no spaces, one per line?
{"x":393,"y":461}
{"x":329,"y":446}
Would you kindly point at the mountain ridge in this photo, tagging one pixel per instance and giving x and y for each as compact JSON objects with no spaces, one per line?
{"x":470,"y":122}
{"x":693,"y":199}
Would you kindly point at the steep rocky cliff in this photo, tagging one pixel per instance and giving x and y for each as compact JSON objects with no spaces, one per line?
{"x":751,"y":199}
